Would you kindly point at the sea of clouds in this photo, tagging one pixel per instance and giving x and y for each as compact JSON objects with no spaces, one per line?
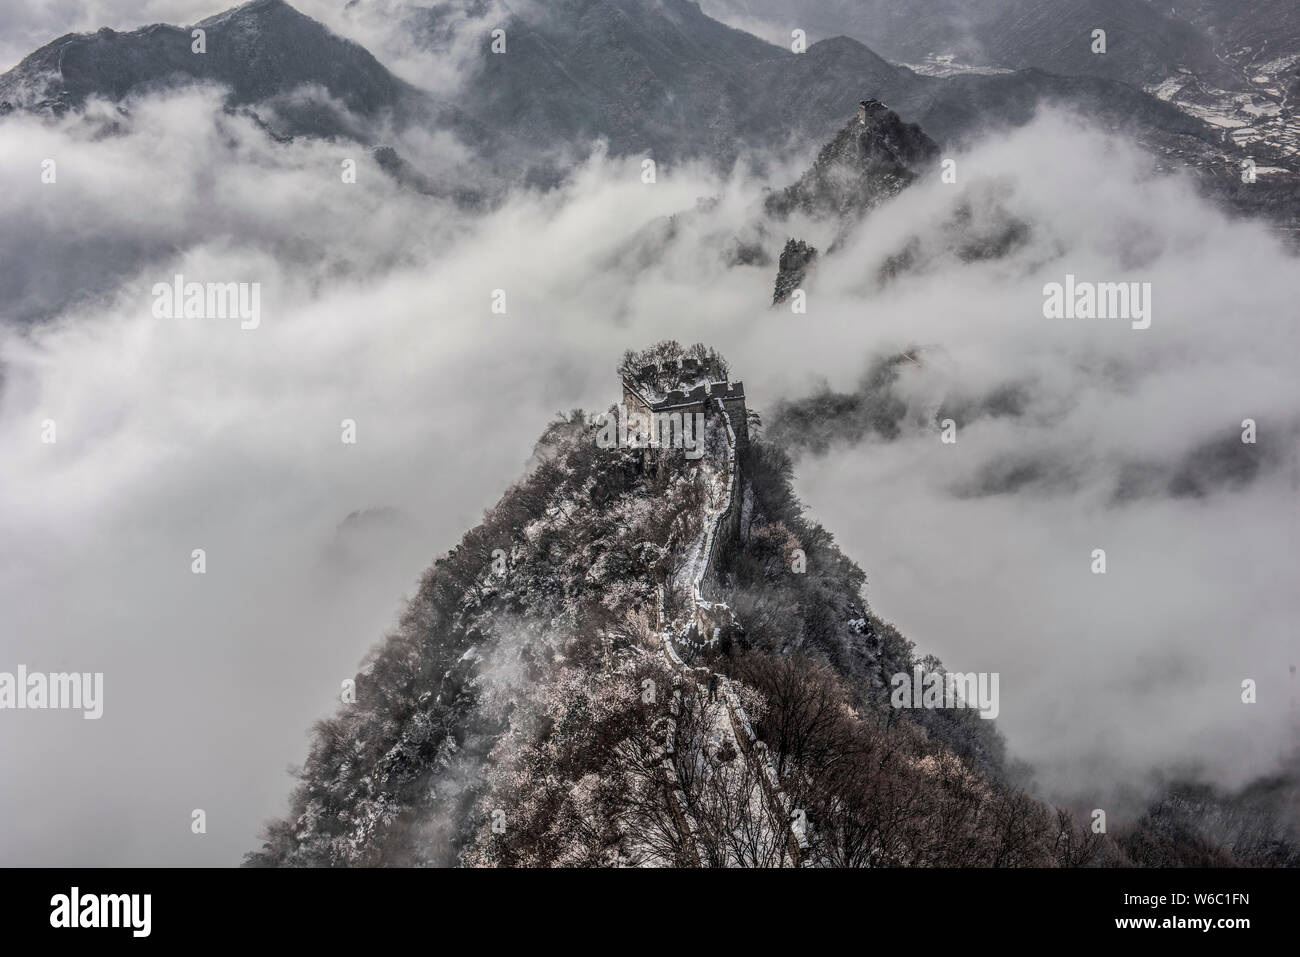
{"x":180,"y":434}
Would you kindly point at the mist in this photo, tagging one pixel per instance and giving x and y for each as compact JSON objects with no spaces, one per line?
{"x":175,"y":435}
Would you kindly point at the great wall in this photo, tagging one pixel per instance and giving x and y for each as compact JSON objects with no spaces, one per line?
{"x":702,"y":628}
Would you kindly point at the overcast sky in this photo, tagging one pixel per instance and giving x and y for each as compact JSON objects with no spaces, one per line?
{"x":175,"y":435}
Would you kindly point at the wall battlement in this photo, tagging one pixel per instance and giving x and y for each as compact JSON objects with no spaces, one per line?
{"x":640,"y":395}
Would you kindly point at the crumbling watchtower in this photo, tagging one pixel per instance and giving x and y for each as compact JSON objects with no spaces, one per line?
{"x":685,"y":387}
{"x":869,"y":108}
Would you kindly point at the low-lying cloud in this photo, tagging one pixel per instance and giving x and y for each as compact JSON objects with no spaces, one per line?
{"x":183,"y":434}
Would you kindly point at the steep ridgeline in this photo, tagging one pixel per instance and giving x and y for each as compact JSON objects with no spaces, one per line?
{"x":700,"y":623}
{"x":545,"y":698}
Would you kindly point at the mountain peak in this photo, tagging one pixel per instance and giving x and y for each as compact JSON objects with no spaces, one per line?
{"x":254,"y":10}
{"x":874,"y":156}
{"x":842,"y":46}
{"x":257,"y":50}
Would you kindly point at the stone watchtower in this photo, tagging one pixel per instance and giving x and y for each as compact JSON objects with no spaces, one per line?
{"x":687,"y":388}
{"x":869,"y":108}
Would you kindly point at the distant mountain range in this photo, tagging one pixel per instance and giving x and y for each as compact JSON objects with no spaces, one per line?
{"x":653,"y":78}
{"x":263,"y":52}
{"x":1234,"y":64}
{"x":1215,"y":40}
{"x":246,"y":50}
{"x":650,"y":76}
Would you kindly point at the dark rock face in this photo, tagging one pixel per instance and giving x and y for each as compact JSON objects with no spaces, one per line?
{"x":793,"y":266}
{"x":871,"y":159}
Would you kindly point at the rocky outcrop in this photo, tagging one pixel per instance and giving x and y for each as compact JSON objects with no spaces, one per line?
{"x":871,"y":159}
{"x":791,"y":269}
